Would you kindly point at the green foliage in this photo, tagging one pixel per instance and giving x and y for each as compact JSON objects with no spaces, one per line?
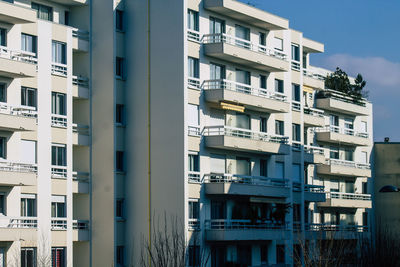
{"x":339,"y":81}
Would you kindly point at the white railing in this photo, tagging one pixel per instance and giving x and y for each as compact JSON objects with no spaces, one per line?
{"x":193,"y":36}
{"x":59,"y":121}
{"x":194,"y":177}
{"x":350,"y":196}
{"x":314,"y":188}
{"x":313,"y":74}
{"x":194,"y":131}
{"x":58,"y":224}
{"x":243,"y":133}
{"x":80,"y":129}
{"x":194,"y":224}
{"x":80,"y":81}
{"x":232,"y":40}
{"x":346,"y":131}
{"x":242,"y":88}
{"x":18,"y":55}
{"x":59,"y":69}
{"x":80,"y":176}
{"x":296,"y":106}
{"x":295,"y":65}
{"x":335,"y":228}
{"x":244,"y":179}
{"x":314,"y":150}
{"x":17,"y":167}
{"x":296,"y":145}
{"x":194,"y":83}
{"x":59,"y":172}
{"x":348,"y":163}
{"x":80,"y":224}
{"x":18,"y":222}
{"x":313,"y":112}
{"x":223,"y":224}
{"x":80,"y":34}
{"x":23,"y":111}
{"x":329,"y":93}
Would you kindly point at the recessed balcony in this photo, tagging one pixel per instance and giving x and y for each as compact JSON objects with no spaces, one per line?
{"x":313,"y":79}
{"x":80,"y":182}
{"x":245,"y":230}
{"x":17,"y":118}
{"x":258,"y":99}
{"x":17,"y":64}
{"x":338,"y":102}
{"x":80,"y":230}
{"x":80,"y":135}
{"x":243,"y":52}
{"x":237,"y":139}
{"x":347,"y":200}
{"x":17,"y":174}
{"x":346,"y":168}
{"x":312,"y":193}
{"x":15,"y":14}
{"x":313,"y":117}
{"x":343,"y":136}
{"x":314,"y":155}
{"x":80,"y":87}
{"x":80,"y":40}
{"x":18,"y":228}
{"x":331,"y":231}
{"x":241,"y":185}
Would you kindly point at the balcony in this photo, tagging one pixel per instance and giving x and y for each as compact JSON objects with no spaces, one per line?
{"x":314,"y":155}
{"x":331,"y":231}
{"x":17,"y":118}
{"x":80,"y":182}
{"x":236,"y":139}
{"x":14,"y":14}
{"x":245,"y":230}
{"x":314,"y":79}
{"x":17,"y":174}
{"x":338,"y":102}
{"x":19,"y":228}
{"x":17,"y":64}
{"x":343,"y":136}
{"x":246,"y":13}
{"x":347,"y":200}
{"x":241,"y":185}
{"x":243,"y":52}
{"x":258,"y":99}
{"x":313,"y":117}
{"x":80,"y":41}
{"x":337,"y":167}
{"x":80,"y":230}
{"x":80,"y":87}
{"x":80,"y":135}
{"x":312,"y":193}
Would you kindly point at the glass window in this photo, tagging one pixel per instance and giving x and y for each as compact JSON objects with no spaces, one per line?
{"x":364,"y":157}
{"x":296,"y":92}
{"x":238,"y":120}
{"x":59,"y":52}
{"x":243,"y":166}
{"x":279,"y":86}
{"x":263,"y":81}
{"x":58,"y":103}
{"x":28,"y":257}
{"x":263,"y":125}
{"x":119,"y":67}
{"x":348,"y":155}
{"x":194,"y":162}
{"x":58,"y":155}
{"x":194,"y":209}
{"x":2,"y":203}
{"x":43,"y":12}
{"x":334,"y":153}
{"x":242,"y":35}
{"x":243,"y":76}
{"x":193,"y":20}
{"x":218,"y":209}
{"x":28,"y":97}
{"x":58,"y":210}
{"x":119,"y":114}
{"x":216,"y":26}
{"x":194,"y":256}
{"x":3,"y":92}
{"x":119,"y":20}
{"x":66,"y":17}
{"x":120,"y":255}
{"x":264,"y":254}
{"x":280,"y":170}
{"x":3,"y":37}
{"x":119,"y":161}
{"x":28,"y":43}
{"x":193,"y":115}
{"x":28,"y":205}
{"x":58,"y":257}
{"x":363,"y":127}
{"x":3,"y":145}
{"x":217,"y":72}
{"x":334,"y":120}
{"x":119,"y":208}
{"x":278,"y":44}
{"x":296,"y":132}
{"x":295,"y":52}
{"x":279,"y":127}
{"x":217,"y":163}
{"x":264,"y":167}
{"x":193,"y":67}
{"x":262,"y":39}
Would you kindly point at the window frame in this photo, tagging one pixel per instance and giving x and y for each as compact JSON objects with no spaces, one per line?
{"x":119,"y":67}
{"x":3,"y":37}
{"x":296,"y":132}
{"x":56,"y":48}
{"x":3,"y":87}
{"x":25,"y":96}
{"x":55,"y":155}
{"x":56,"y":109}
{"x":119,"y":161}
{"x":54,"y":253}
{"x":295,"y":52}
{"x":279,"y":127}
{"x":120,"y":114}
{"x":3,"y":147}
{"x":193,"y":66}
{"x":194,"y":209}
{"x":196,"y":25}
{"x":23,"y":251}
{"x":119,"y":20}
{"x":24,"y":42}
{"x":279,"y":86}
{"x":39,"y":11}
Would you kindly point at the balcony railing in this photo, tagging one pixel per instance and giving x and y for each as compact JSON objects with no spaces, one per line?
{"x":243,"y":133}
{"x":80,"y":224}
{"x":295,"y":65}
{"x":80,"y":34}
{"x":232,"y":40}
{"x":80,"y":81}
{"x":193,"y":36}
{"x":80,"y":176}
{"x":244,"y":179}
{"x":313,"y":74}
{"x":242,"y":88}
{"x":59,"y":69}
{"x":18,"y":222}
{"x":296,"y":106}
{"x":23,"y":111}
{"x":194,"y":131}
{"x":336,"y":228}
{"x":80,"y":129}
{"x":18,"y":55}
{"x":58,"y":224}
{"x":243,"y":225}
{"x":194,"y":83}
{"x":329,"y":93}
{"x":296,"y":145}
{"x":17,"y":167}
{"x":349,"y":196}
{"x":59,"y":172}
{"x":314,"y":150}
{"x":347,"y":163}
{"x":346,"y":131}
{"x":313,"y":112}
{"x":194,"y":224}
{"x":194,"y":177}
{"x":59,"y":121}
{"x":308,"y":188}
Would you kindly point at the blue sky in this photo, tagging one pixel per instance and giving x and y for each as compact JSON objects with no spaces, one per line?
{"x":360,"y":36}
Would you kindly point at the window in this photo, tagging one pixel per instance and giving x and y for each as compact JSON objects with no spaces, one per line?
{"x":296,"y":173}
{"x":363,"y":127}
{"x":59,"y":52}
{"x":348,"y":126}
{"x":264,"y":254}
{"x":263,"y":125}
{"x":58,"y":155}
{"x":278,"y":44}
{"x":119,"y":114}
{"x":43,"y":12}
{"x":194,"y":162}
{"x":279,"y":127}
{"x":28,"y":43}
{"x":349,"y":187}
{"x":243,"y":77}
{"x":296,"y":92}
{"x":28,"y":257}
{"x":2,"y":203}
{"x":119,"y":20}
{"x":348,"y":154}
{"x":120,"y":255}
{"x":58,"y":207}
{"x":58,"y":257}
{"x":296,"y":132}
{"x":119,"y":67}
{"x":217,"y":72}
{"x":242,"y":34}
{"x":217,"y":163}
{"x":3,"y":92}
{"x":29,"y":97}
{"x":262,"y":39}
{"x":295,"y":52}
{"x":216,"y":26}
{"x":365,"y":188}
{"x":364,"y":157}
{"x":243,"y":166}
{"x":119,"y":208}
{"x":119,"y":161}
{"x":194,"y":209}
{"x":263,"y":81}
{"x":218,"y":209}
{"x":66,"y":17}
{"x":193,"y":67}
{"x":334,"y":120}
{"x":264,"y":167}
{"x":280,"y":253}
{"x":28,"y":205}
{"x":193,"y":20}
{"x":193,"y":115}
{"x":194,"y":256}
{"x":3,"y":37}
{"x":278,"y":86}
{"x":280,"y":170}
{"x":365,"y":218}
{"x":238,"y":120}
{"x":58,"y":103}
{"x":305,"y":60}
{"x":27,"y":151}
{"x":334,"y":153}
{"x":3,"y":147}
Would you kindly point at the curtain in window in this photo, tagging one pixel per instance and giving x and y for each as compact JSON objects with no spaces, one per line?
{"x":238,"y":121}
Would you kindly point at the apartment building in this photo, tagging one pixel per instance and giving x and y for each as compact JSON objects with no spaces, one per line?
{"x":208,"y":112}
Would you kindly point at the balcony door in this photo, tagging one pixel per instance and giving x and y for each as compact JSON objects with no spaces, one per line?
{"x":238,"y":120}
{"x":243,"y":166}
{"x":217,"y":28}
{"x":217,"y":163}
{"x":243,"y":36}
{"x":217,"y":72}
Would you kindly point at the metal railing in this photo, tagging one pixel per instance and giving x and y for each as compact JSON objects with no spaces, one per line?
{"x":329,"y":93}
{"x":80,"y":129}
{"x":80,"y":176}
{"x":243,"y":133}
{"x":18,"y":55}
{"x":346,"y":131}
{"x":80,"y":224}
{"x":296,"y":106}
{"x":9,"y":166}
{"x":193,"y":36}
{"x":194,"y":224}
{"x":242,"y":88}
{"x":336,"y":228}
{"x":295,"y":65}
{"x":23,"y":111}
{"x":244,"y":179}
{"x":194,"y":83}
{"x":80,"y":81}
{"x":59,"y":172}
{"x":194,"y":177}
{"x":313,"y":74}
{"x":314,"y":150}
{"x":80,"y":34}
{"x":349,"y":196}
{"x":59,"y":69}
{"x":313,"y":112}
{"x":18,"y":222}
{"x":308,"y":188}
{"x":59,"y":121}
{"x":246,"y":44}
{"x":58,"y":224}
{"x":223,"y":224}
{"x":194,"y":131}
{"x":348,"y":163}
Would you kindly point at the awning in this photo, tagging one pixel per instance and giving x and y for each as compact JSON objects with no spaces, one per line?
{"x":233,"y":107}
